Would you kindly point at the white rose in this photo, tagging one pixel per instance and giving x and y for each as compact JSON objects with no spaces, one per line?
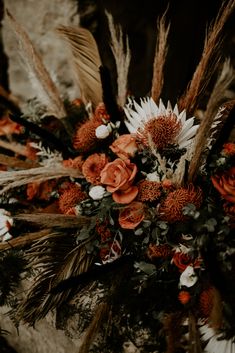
{"x":102,"y":131}
{"x":97,"y":192}
{"x":188,"y":278}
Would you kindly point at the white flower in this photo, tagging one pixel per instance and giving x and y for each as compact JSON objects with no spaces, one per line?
{"x":97,"y":192}
{"x":153,"y":177}
{"x":102,"y":131}
{"x":148,"y":112}
{"x":5,"y":224}
{"x":188,"y":278}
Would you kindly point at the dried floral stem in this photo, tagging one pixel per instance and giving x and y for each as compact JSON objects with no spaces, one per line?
{"x":14,"y":147}
{"x":24,"y":240}
{"x":122,"y":58}
{"x":194,"y":338}
{"x":10,"y":180}
{"x":209,"y":60}
{"x":160,"y":58}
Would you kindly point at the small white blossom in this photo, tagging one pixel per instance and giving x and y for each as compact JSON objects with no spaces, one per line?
{"x":102,"y":131}
{"x":97,"y":192}
{"x":188,"y":278}
{"x":153,"y":177}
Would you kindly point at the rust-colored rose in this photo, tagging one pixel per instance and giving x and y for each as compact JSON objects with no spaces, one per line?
{"x":183,"y":260}
{"x":225,"y":184}
{"x":118,"y":176}
{"x":124,"y":146}
{"x":132,"y":215}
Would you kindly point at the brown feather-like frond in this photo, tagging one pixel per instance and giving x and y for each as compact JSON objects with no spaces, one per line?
{"x":56,"y":257}
{"x":203,"y":139}
{"x":13,"y":179}
{"x":122,"y":56}
{"x":54,"y":220}
{"x":45,"y":87}
{"x":209,"y":60}
{"x":85,"y":62}
{"x":160,"y":58}
{"x":24,"y":239}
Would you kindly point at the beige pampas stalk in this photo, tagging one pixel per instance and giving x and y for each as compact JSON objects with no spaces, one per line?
{"x":45,"y":88}
{"x":13,"y":179}
{"x":122,"y":58}
{"x":213,"y":119}
{"x":209,"y":60}
{"x":160,"y":58}
{"x":85,"y":60}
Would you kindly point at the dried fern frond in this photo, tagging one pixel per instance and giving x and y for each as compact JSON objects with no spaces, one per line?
{"x":122,"y":56}
{"x":45,"y":88}
{"x":13,"y":179}
{"x":85,"y":61}
{"x":160,"y":58}
{"x":209,"y":60}
{"x":203,"y":142}
{"x":56,"y":257}
{"x":24,"y":239}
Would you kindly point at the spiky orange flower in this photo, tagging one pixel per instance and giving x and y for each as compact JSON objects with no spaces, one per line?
{"x":161,"y":131}
{"x":101,"y":113}
{"x":206,"y":301}
{"x":159,"y":251}
{"x":103,"y":230}
{"x":229,"y":149}
{"x":75,"y":163}
{"x":171,"y":210}
{"x":184,"y":297}
{"x":70,"y":197}
{"x":92,"y":167}
{"x":149,"y":190}
{"x":84,"y":138}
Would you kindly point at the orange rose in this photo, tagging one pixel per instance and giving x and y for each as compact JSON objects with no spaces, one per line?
{"x":183,"y":260}
{"x":225,"y":184}
{"x":119,"y":176}
{"x":124,"y":146}
{"x":132,"y":215}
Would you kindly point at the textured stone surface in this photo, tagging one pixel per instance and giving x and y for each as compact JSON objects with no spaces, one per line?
{"x":40,"y":18}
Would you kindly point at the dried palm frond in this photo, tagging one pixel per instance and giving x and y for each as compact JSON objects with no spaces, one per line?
{"x":160,"y":58}
{"x":13,"y":179}
{"x":203,"y":142}
{"x":209,"y":60}
{"x":24,"y":239}
{"x":122,"y":58}
{"x":194,"y":336}
{"x":56,"y":257}
{"x":45,"y":88}
{"x":85,"y":62}
{"x":214,"y":342}
{"x":15,"y":162}
{"x":14,"y":147}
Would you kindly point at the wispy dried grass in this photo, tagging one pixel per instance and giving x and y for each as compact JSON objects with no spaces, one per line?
{"x":122,"y":55}
{"x":209,"y":60}
{"x":45,"y":88}
{"x":213,"y":120}
{"x":160,"y":58}
{"x":13,"y":179}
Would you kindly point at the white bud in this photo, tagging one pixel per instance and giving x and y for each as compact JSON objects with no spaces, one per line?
{"x":153,"y":177}
{"x":97,"y":192}
{"x":102,"y":131}
{"x":188,"y":278}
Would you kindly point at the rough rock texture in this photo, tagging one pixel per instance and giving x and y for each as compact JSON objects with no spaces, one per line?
{"x":40,"y":18}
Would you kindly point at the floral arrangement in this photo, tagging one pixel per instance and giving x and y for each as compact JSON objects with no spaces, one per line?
{"x":134,"y":193}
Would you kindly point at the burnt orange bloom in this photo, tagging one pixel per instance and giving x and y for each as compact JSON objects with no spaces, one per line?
{"x":103,"y":230}
{"x":8,"y":127}
{"x":93,"y":166}
{"x":101,"y":113}
{"x":229,"y":149}
{"x":149,"y":190}
{"x":131,"y":215}
{"x":171,"y":209}
{"x":206,"y":301}
{"x":84,"y":138}
{"x":75,"y":163}
{"x":184,"y":297}
{"x":71,"y":197}
{"x":159,"y":251}
{"x":225,"y":184}
{"x":41,"y":191}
